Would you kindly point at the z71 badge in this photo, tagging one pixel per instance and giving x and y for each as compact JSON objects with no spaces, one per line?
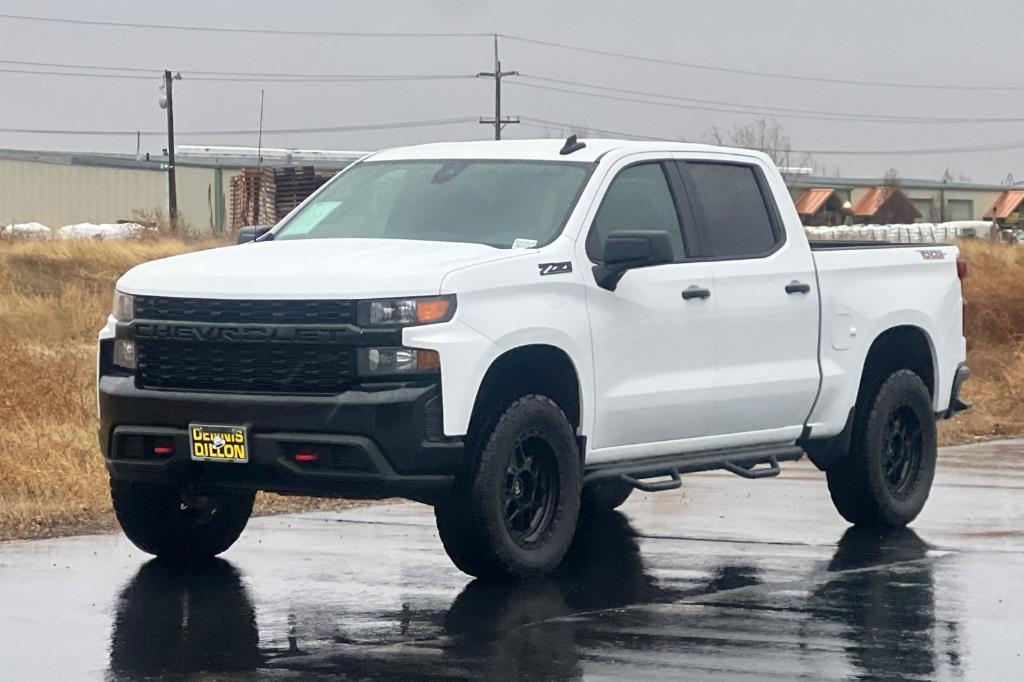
{"x":932,"y":254}
{"x":555,"y":268}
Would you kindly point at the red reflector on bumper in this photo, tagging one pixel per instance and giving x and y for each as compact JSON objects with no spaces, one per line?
{"x":163,"y":449}
{"x":306,"y":457}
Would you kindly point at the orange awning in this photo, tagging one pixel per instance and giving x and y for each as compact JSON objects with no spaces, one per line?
{"x":811,"y":201}
{"x":1007,"y":203}
{"x":871,"y":202}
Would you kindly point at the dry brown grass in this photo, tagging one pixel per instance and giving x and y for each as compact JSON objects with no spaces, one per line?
{"x":995,"y":345}
{"x":54,"y":296}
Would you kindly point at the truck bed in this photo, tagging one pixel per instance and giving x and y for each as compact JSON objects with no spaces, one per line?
{"x":868,"y":287}
{"x":836,"y":244}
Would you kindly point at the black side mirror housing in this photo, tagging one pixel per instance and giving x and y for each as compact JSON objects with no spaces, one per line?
{"x":251,"y":233}
{"x":624,"y":251}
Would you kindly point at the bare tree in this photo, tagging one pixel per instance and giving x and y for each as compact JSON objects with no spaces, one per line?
{"x":892,"y":178}
{"x":764,"y":135}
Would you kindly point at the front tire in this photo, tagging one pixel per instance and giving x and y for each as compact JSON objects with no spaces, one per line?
{"x":513,"y":513}
{"x":158,"y":521}
{"x":885,"y":479}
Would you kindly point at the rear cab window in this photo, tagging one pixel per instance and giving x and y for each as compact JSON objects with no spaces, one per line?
{"x":735,"y":212}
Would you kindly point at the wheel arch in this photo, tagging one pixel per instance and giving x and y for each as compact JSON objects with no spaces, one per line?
{"x":532,"y":368}
{"x":898,"y":347}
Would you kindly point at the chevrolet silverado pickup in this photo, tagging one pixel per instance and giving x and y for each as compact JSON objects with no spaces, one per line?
{"x":520,"y":332}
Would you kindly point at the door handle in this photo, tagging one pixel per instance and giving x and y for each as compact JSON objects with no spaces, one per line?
{"x":796,"y":287}
{"x":694,"y":291}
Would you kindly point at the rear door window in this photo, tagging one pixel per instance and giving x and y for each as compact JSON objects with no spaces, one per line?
{"x":733,"y":215}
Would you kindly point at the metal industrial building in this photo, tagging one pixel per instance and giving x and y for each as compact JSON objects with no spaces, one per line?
{"x":64,"y":188}
{"x":935,"y":201}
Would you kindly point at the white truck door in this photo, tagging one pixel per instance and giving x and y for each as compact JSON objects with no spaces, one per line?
{"x":653,"y":347}
{"x":766,"y":296}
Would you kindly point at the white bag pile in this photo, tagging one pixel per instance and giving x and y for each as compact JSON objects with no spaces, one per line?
{"x":26,"y":231}
{"x":101,"y":231}
{"x":908,"y":233}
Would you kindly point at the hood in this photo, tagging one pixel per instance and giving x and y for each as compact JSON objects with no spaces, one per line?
{"x":309,"y":268}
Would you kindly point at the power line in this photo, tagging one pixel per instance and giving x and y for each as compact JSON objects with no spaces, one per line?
{"x":226,"y":29}
{"x":760,"y":74}
{"x":226,"y":76}
{"x":526,"y":40}
{"x":277,"y":131}
{"x":836,"y":115}
{"x":546,"y":123}
{"x":966,"y":149}
{"x":246,"y":76}
{"x":774,"y":112}
{"x":78,"y":74}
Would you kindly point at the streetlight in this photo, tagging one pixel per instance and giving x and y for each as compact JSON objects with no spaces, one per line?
{"x":166,"y":101}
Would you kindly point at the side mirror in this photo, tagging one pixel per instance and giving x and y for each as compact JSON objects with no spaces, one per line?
{"x":625,"y":251}
{"x":251,"y":233}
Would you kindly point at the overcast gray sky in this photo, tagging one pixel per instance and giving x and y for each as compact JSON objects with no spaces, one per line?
{"x":944,"y":43}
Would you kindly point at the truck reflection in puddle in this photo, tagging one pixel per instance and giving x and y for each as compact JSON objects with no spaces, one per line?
{"x":604,"y":607}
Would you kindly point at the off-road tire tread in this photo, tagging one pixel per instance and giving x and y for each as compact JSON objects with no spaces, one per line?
{"x":149,"y":516}
{"x":855,"y":482}
{"x":463,"y":518}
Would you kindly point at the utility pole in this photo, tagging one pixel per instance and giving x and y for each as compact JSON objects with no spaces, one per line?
{"x":498,"y":122}
{"x":167,"y":102}
{"x":259,"y":168}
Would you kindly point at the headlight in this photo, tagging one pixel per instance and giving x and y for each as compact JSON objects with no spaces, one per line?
{"x":407,"y":312}
{"x":124,"y":307}
{"x":385,"y":362}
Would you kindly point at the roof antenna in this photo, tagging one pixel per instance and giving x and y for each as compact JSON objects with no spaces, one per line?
{"x":571,"y":145}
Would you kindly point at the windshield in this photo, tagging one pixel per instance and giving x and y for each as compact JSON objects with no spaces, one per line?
{"x":497,"y":203}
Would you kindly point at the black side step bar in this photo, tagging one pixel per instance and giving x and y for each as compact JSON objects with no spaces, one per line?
{"x":654,"y":486}
{"x":742,"y":462}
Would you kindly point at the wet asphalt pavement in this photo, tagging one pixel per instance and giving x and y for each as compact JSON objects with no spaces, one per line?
{"x":724,"y":579}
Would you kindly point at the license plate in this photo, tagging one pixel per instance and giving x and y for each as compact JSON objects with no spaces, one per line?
{"x":219,"y":443}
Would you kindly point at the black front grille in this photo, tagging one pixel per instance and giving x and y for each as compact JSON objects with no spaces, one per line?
{"x":241,"y":311}
{"x":244,"y":368}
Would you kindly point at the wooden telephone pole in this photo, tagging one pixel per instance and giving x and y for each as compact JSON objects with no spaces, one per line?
{"x":167,"y":102}
{"x":498,"y":122}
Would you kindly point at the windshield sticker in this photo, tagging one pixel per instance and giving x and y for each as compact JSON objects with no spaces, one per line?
{"x":524,"y":243}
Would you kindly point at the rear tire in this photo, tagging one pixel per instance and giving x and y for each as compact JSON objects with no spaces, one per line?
{"x":885,"y":479}
{"x":159,"y":522}
{"x":605,"y":495}
{"x":513,"y":513}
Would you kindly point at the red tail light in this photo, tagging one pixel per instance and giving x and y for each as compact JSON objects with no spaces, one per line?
{"x":961,"y":268}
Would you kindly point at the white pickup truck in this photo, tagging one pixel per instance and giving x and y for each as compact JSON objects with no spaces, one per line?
{"x":519,"y":332}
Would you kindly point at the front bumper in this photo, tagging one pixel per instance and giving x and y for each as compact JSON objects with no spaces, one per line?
{"x":376,"y":442}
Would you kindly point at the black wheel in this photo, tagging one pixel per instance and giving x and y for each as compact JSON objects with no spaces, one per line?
{"x":885,"y":479}
{"x":158,"y":521}
{"x":513,"y":513}
{"x":605,"y":495}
